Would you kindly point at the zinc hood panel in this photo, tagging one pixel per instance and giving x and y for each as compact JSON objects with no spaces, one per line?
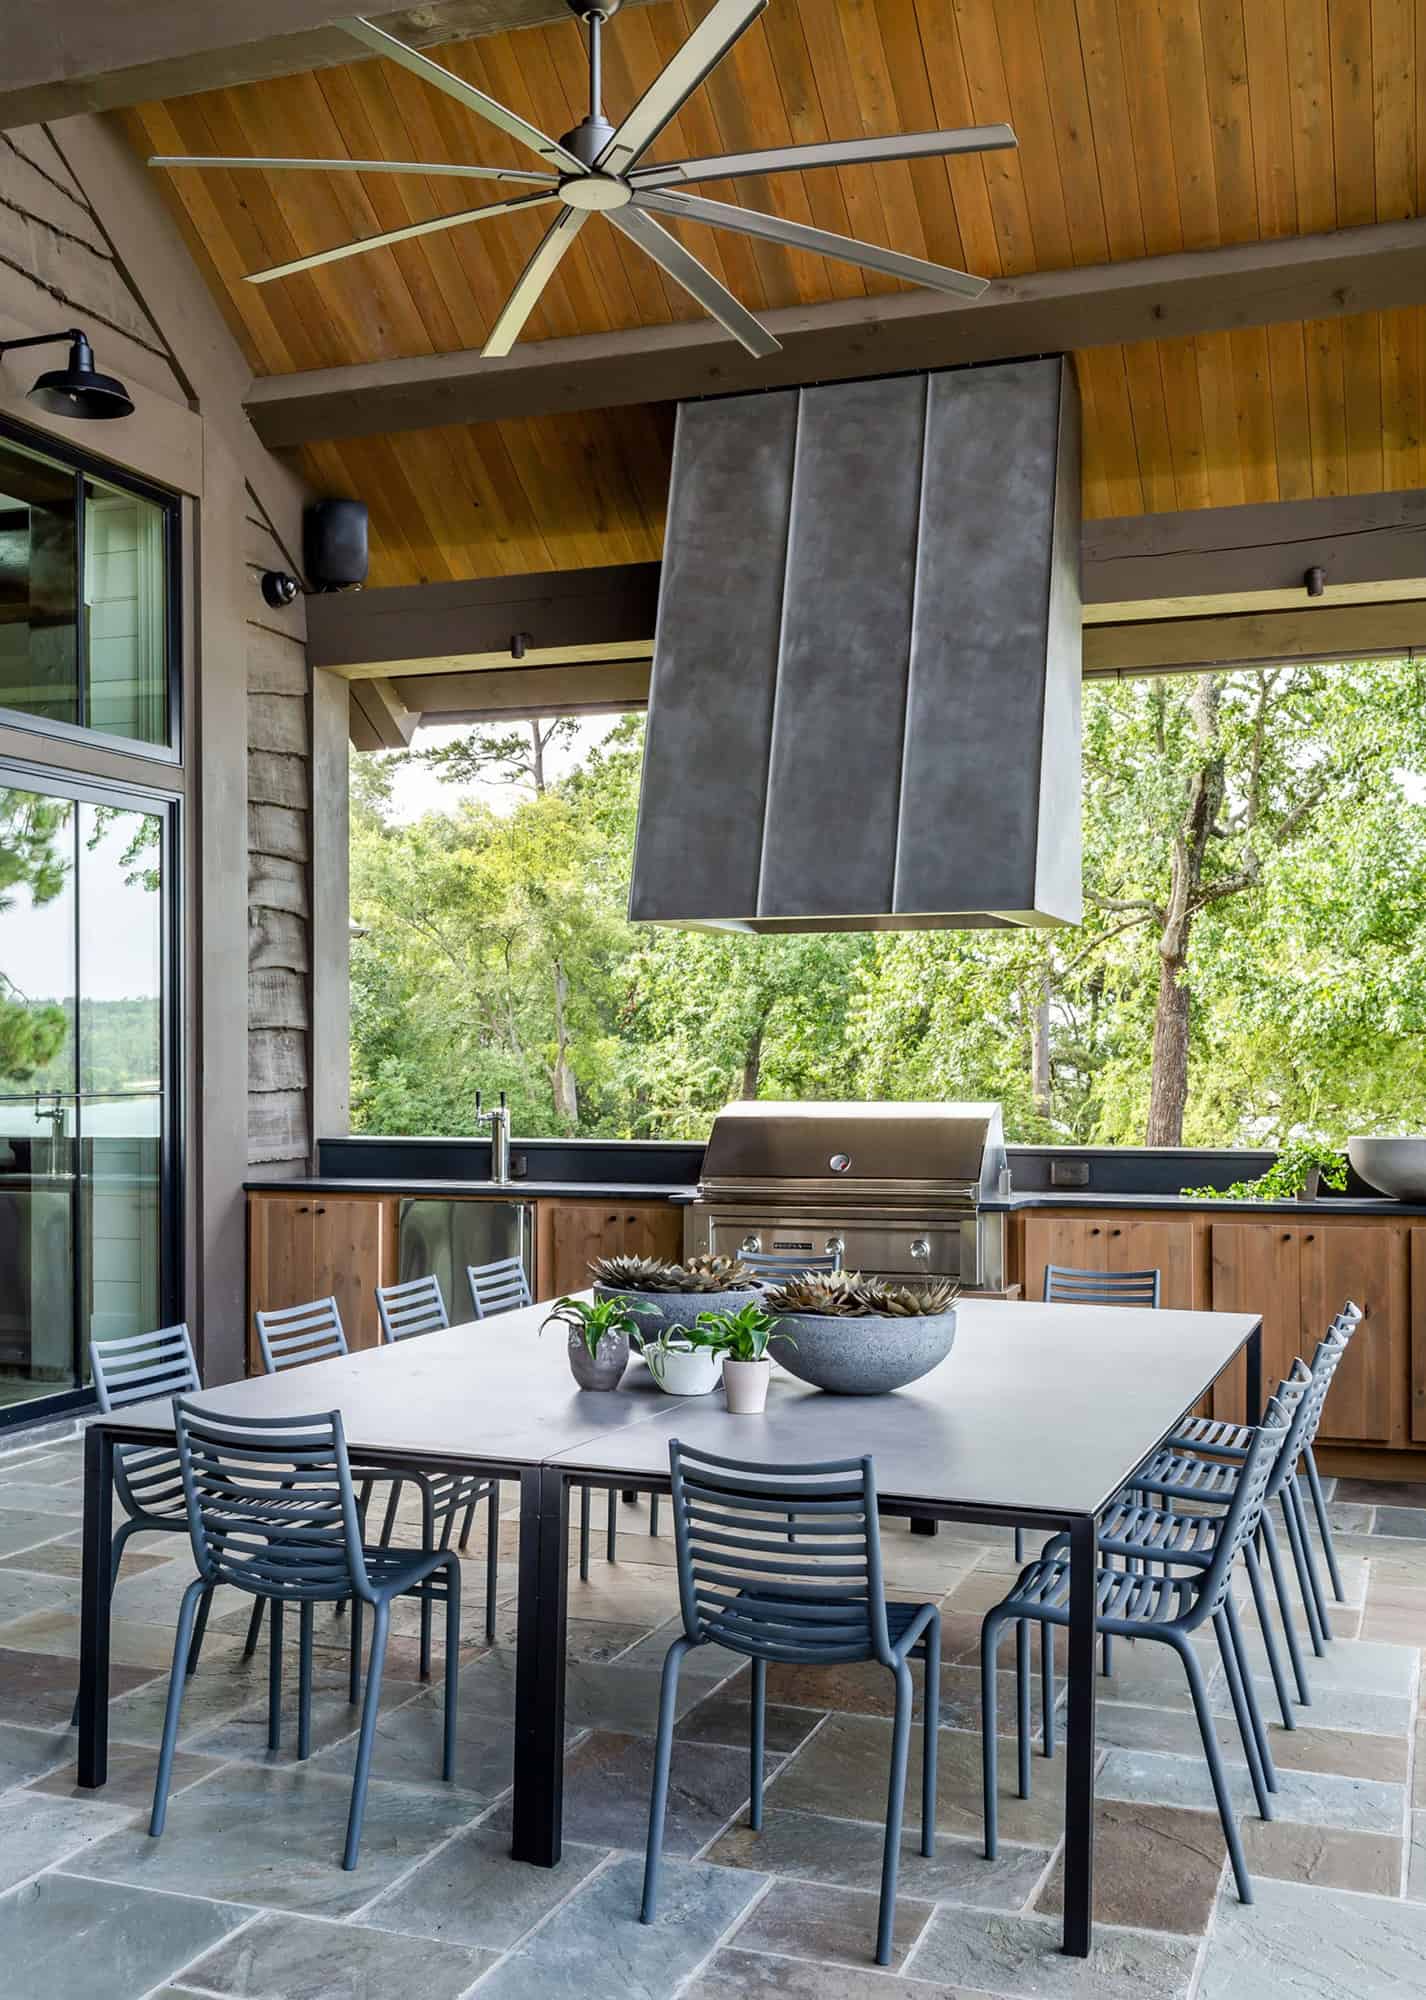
{"x":864,"y":712}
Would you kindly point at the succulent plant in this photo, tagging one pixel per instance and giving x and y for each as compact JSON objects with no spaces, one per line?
{"x":657,"y":1274}
{"x":848,"y":1295}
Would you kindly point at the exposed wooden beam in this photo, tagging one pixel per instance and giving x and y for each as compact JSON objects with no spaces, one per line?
{"x":69,"y":56}
{"x":1320,"y":632}
{"x":1148,"y":298}
{"x":379,"y":717}
{"x":498,"y":695}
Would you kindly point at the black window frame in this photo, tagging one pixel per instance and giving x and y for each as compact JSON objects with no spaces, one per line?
{"x":84,"y":465}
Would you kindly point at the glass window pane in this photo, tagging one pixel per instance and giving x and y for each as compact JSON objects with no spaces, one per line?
{"x":36,"y":1249}
{"x":38,"y":587}
{"x":121,"y":949}
{"x":122,"y":1162}
{"x":125,"y":592}
{"x":37,"y":943}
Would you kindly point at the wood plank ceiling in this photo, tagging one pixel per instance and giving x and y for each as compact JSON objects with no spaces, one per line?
{"x":1145,"y":126}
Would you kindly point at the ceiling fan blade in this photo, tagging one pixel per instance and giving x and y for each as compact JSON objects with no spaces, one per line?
{"x":834,"y":153}
{"x":533,"y":279}
{"x":680,"y":77}
{"x":364,"y":243}
{"x":684,"y":268}
{"x":495,"y":113}
{"x":352,"y":167}
{"x":797,"y":236}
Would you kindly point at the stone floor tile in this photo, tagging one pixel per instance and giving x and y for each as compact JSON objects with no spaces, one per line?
{"x":645,"y":1593}
{"x":595,"y":1948}
{"x":1404,"y":1624}
{"x":274,"y":1839}
{"x":23,"y":1593}
{"x":831,"y":1925}
{"x":815,"y":1848}
{"x":300,"y":1958}
{"x":38,"y":1689}
{"x":27,"y":1753}
{"x":1404,"y":1523}
{"x":1364,"y":1666}
{"x":1350,"y":1517}
{"x":1155,"y":1867}
{"x":50,"y":1468}
{"x":334,"y":1719}
{"x":842,"y":1772}
{"x":1383,"y":1492}
{"x":131,"y":1775}
{"x":1021,"y":1956}
{"x":471,"y":1892}
{"x":1316,"y":1798}
{"x":79,"y":1939}
{"x":722,"y":1717}
{"x":132,"y":1642}
{"x":749,"y":1975}
{"x":220,"y":1689}
{"x":1295,"y":1942}
{"x":1323,"y":1854}
{"x":1332,"y":1707}
{"x":1351,"y":1753}
{"x":29,"y":1529}
{"x":66,"y":1558}
{"x":37,"y":1832}
{"x":1416,"y":1860}
{"x":408,"y":1747}
{"x":867,"y":1688}
{"x":606,"y":1791}
{"x":586,"y":1638}
{"x":60,"y":1503}
{"x":707,"y":1663}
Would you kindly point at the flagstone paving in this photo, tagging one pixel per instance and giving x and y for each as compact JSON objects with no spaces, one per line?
{"x":245,"y":1897}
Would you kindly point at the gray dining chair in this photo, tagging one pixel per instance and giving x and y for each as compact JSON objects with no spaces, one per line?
{"x":272,"y":1511}
{"x":1135,"y":1604}
{"x":413,"y":1307}
{"x":739,"y":1586}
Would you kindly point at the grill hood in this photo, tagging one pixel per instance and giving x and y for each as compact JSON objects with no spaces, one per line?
{"x":855,"y":1150}
{"x":864,"y":712}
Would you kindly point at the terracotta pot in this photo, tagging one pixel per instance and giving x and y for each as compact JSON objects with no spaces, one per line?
{"x":604,"y":1369}
{"x":745,"y":1386}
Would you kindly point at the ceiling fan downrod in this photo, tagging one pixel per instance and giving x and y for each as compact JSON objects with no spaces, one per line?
{"x":593,"y":132}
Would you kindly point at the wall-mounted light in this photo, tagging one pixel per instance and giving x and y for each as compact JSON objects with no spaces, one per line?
{"x":77,"y":389}
{"x":279,"y":588}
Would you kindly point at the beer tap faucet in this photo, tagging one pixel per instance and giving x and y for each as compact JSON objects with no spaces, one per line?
{"x":499,"y":1122}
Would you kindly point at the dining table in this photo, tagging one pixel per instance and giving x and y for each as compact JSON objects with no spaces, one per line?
{"x":1035,"y":1420}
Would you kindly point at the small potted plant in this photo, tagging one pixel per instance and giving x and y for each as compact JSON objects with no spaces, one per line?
{"x":675,"y":1294}
{"x":742,"y":1339}
{"x":1299,"y":1172}
{"x":684,"y":1361}
{"x":857,"y":1336}
{"x":598,"y":1342}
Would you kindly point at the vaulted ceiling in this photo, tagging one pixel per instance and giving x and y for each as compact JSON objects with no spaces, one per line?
{"x":1146,"y":127}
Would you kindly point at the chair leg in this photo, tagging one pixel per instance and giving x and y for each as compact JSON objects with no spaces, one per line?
{"x":492,"y":1560}
{"x":304,"y":1682}
{"x":1243,"y":1714}
{"x":1047,"y":1685}
{"x":611,"y":1527}
{"x":182,"y":1638}
{"x":1324,"y":1526}
{"x":381,"y":1621}
{"x":1250,"y":1693}
{"x":463,"y":1540}
{"x":757,"y":1734}
{"x":1265,"y":1626}
{"x":1309,"y":1556}
{"x":585,"y":1498}
{"x":1022,"y":1705}
{"x":388,"y":1525}
{"x":1284,"y":1605}
{"x":658,"y":1794}
{"x":274,"y":1676}
{"x":895,"y":1806}
{"x":930,"y":1737}
{"x":1019,"y":1545}
{"x":354,"y":1662}
{"x":1216,"y":1772}
{"x":990,"y":1794}
{"x":1304,"y":1580}
{"x":448,"y":1740}
{"x":200,"y":1627}
{"x":654,"y":1513}
{"x":254,"y":1628}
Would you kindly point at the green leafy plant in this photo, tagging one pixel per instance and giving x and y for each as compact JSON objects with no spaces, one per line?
{"x":742,"y":1335}
{"x":1286,"y":1177}
{"x":592,"y":1320}
{"x":657,"y":1274}
{"x":848,"y":1295}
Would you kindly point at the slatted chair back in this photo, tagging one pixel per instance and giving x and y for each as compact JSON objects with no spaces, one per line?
{"x":782,"y":1264}
{"x":292,"y":1335}
{"x":1245,"y":1510}
{"x":415,"y":1306}
{"x":271,"y":1509}
{"x":1325,"y":1363}
{"x":1065,"y":1286}
{"x":498,"y":1287}
{"x":140,"y":1365}
{"x":1294,"y":1396}
{"x":780,"y":1564}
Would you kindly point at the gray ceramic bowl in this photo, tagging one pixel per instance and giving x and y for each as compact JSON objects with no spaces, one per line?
{"x":862,"y":1357}
{"x":1396,"y":1167}
{"x":675,"y":1309}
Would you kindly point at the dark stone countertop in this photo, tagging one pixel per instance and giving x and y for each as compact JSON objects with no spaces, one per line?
{"x":1345,"y":1207}
{"x":441,"y":1190}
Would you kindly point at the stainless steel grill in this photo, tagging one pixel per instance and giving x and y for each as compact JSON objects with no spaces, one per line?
{"x":892,"y":1188}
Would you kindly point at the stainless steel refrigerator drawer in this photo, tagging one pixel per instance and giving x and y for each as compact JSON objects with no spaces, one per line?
{"x":445,"y":1236}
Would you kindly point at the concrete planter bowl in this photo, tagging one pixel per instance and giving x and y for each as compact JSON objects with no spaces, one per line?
{"x":867,"y":1356}
{"x":1393,"y":1166}
{"x":675,"y":1311}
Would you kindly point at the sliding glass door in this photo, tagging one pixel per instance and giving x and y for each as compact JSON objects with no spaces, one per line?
{"x":87,"y":1187}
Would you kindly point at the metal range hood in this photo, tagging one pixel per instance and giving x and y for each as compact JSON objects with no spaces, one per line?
{"x":865,"y":703}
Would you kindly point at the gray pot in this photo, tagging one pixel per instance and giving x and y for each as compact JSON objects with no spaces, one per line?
{"x":674,"y":1310}
{"x":862,"y":1357}
{"x":605,"y":1368}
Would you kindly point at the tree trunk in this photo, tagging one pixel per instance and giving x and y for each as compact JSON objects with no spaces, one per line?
{"x":1041,"y":1081}
{"x":753,"y":1062}
{"x":1168,"y":1081}
{"x":562,"y":1079}
{"x":537,"y":758}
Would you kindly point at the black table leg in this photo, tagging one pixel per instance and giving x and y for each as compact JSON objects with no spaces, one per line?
{"x":1255,"y":1375}
{"x":94,"y":1608}
{"x":920,"y":1527}
{"x":1079,"y":1776}
{"x":539,"y":1667}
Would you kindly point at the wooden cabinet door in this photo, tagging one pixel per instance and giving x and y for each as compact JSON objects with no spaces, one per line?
{"x":1366,"y":1262}
{"x":653,"y":1229}
{"x":1257,"y":1268}
{"x":354,"y":1252}
{"x":281,"y":1258}
{"x":1073,"y":1240}
{"x":576,"y":1233}
{"x":1418,"y":1334}
{"x":1138,"y":1243}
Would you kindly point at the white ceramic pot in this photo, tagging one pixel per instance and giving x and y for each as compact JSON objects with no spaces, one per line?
{"x":745,"y":1386}
{"x":684,"y":1371}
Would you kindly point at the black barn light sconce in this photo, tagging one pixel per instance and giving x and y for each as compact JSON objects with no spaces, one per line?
{"x":77,"y":389}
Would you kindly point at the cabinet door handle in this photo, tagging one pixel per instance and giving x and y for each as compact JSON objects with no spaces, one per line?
{"x":1116,"y":1232}
{"x":305,"y":1209}
{"x":1287,"y":1236}
{"x":1309,"y":1237}
{"x":1094,"y":1231}
{"x":319,"y":1211}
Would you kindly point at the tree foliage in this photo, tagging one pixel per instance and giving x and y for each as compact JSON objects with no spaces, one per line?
{"x":1251,"y":967}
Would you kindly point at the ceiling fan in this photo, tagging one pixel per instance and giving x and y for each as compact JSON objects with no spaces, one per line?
{"x":595,"y":169}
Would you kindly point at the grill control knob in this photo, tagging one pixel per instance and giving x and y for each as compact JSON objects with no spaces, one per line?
{"x":836,"y":1246}
{"x":920,"y":1248}
{"x":751,"y":1245}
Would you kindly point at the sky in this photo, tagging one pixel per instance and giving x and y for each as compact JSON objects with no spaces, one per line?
{"x":418,"y":790}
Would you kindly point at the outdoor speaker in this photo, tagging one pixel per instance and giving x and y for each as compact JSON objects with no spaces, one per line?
{"x":334,"y":544}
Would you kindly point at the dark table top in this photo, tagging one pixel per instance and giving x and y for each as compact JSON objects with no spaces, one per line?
{"x":1040,"y":1408}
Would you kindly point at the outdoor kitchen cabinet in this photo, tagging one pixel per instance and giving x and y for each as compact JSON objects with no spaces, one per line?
{"x":1114,"y":1240}
{"x":315,"y":1246}
{"x":573,"y":1233}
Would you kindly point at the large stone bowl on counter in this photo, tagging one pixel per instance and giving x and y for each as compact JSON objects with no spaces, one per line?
{"x":676,"y":1310}
{"x":1395,"y":1167}
{"x":865,"y":1355}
